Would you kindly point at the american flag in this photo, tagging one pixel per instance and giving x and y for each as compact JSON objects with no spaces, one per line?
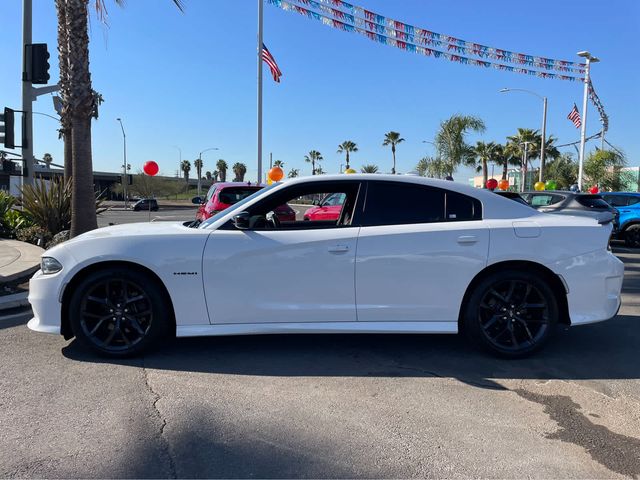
{"x":574,"y":116}
{"x":269,"y":60}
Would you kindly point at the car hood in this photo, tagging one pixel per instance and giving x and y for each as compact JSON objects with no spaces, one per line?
{"x":132,"y":230}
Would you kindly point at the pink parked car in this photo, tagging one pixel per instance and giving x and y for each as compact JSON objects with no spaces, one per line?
{"x":327,"y":209}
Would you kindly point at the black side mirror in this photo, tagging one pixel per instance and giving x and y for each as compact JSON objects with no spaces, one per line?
{"x":241,"y":220}
{"x":197,"y":200}
{"x":316,"y":202}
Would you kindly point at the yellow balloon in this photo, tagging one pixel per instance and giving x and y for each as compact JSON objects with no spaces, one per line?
{"x":350,"y":170}
{"x":269,"y":181}
{"x":539,"y":186}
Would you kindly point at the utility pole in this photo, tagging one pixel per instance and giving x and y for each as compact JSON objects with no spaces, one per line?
{"x":583,"y":130}
{"x":125,"y":179}
{"x":544,"y":132}
{"x":524,"y":166}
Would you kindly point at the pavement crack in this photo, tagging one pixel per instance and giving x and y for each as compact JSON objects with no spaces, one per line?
{"x":163,"y":422}
{"x":619,"y":453}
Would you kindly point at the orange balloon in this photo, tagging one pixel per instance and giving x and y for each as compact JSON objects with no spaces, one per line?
{"x":276,"y":174}
{"x":503,"y":185}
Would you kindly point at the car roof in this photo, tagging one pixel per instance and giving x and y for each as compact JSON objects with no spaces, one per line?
{"x":221,"y":185}
{"x":628,"y":194}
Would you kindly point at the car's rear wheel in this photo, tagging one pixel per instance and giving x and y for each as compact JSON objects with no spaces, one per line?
{"x":632,"y":236}
{"x":118,"y":312}
{"x":511,"y":313}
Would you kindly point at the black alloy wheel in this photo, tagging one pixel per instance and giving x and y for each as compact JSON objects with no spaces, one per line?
{"x":632,"y":236}
{"x":118,"y":312}
{"x":511,"y":313}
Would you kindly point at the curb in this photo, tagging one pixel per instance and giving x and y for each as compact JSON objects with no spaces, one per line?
{"x":15,"y":300}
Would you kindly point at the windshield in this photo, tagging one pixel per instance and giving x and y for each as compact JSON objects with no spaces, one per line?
{"x":235,"y":207}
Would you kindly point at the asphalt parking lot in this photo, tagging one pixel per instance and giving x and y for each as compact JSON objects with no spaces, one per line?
{"x":326,"y":406}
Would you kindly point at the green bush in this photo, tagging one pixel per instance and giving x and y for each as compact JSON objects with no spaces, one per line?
{"x":35,"y":235}
{"x":6,"y":205}
{"x":14,"y":221}
{"x":48,"y":205}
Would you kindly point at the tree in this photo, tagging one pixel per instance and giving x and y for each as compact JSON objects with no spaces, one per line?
{"x":239,"y":170}
{"x":222,"y":170}
{"x":562,"y":170}
{"x":293,"y":173}
{"x":369,"y":168}
{"x":319,"y":170}
{"x":346,"y":147}
{"x":433,"y":167}
{"x":214,"y":176}
{"x":392,"y":138}
{"x":47,"y":158}
{"x":506,"y":155}
{"x":451,"y":143}
{"x":79,"y":106}
{"x":604,"y":169}
{"x":208,"y":175}
{"x":313,"y":157}
{"x":198,"y":164}
{"x":485,"y":152}
{"x":278,"y":163}
{"x":185,"y":166}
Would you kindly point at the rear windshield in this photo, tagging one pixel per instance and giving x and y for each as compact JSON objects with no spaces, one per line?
{"x":593,"y":201}
{"x":233,"y":195}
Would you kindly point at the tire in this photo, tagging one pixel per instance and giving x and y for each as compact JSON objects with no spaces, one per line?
{"x":632,"y":236}
{"x":119,"y":312}
{"x":511,"y":313}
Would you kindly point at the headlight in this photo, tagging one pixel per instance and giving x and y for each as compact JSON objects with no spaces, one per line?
{"x":50,"y":265}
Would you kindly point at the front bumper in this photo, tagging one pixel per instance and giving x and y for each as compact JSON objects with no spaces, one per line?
{"x":45,"y":299}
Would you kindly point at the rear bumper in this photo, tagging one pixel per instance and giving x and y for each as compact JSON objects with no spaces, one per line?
{"x":594,"y":281}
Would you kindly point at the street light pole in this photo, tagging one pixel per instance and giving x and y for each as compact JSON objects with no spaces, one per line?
{"x":125,"y":180}
{"x":585,"y":97}
{"x":199,"y":168}
{"x":544,"y":123}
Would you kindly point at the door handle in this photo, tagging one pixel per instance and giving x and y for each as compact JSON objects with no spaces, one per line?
{"x":467,"y":239}
{"x":338,"y":249}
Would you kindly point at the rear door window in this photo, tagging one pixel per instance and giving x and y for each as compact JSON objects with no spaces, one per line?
{"x":542,"y":200}
{"x":391,"y":203}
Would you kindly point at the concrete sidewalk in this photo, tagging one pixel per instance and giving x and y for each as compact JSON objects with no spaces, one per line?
{"x":18,"y":260}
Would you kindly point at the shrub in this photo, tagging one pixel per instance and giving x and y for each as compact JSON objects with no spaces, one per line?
{"x":35,"y":235}
{"x":48,"y":204}
{"x":6,"y":204}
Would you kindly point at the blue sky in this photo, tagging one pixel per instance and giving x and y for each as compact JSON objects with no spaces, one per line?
{"x":189,"y":80}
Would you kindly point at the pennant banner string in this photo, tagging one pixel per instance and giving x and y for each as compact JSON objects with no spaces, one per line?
{"x":593,"y":96}
{"x":356,"y":15}
{"x":407,"y":43}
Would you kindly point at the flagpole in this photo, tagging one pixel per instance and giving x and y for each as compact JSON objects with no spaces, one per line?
{"x":583,"y":131}
{"x":260,"y":7}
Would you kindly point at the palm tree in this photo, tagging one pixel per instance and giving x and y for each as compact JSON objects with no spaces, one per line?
{"x":293,"y":173}
{"x":506,"y":155}
{"x":392,"y":138}
{"x":185,"y":166}
{"x":222,"y":170}
{"x":313,"y":157}
{"x":369,"y":168}
{"x":485,"y":152}
{"x":47,"y":158}
{"x":529,"y":138}
{"x":451,"y":143}
{"x":208,"y":175}
{"x":79,"y":106}
{"x":214,"y":176}
{"x":278,"y":163}
{"x":239,"y":169}
{"x":198,"y":164}
{"x":319,"y":170}
{"x":346,"y":147}
{"x":432,"y":167}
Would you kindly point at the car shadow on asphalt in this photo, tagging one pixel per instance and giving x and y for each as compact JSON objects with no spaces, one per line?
{"x":606,"y":350}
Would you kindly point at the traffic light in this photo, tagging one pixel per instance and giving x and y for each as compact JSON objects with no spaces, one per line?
{"x":7,"y":128}
{"x":36,"y":69}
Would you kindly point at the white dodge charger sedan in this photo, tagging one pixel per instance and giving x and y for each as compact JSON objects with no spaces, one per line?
{"x":406,"y":255}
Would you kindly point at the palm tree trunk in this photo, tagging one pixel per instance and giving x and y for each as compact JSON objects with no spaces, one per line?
{"x":313,"y":167}
{"x":393,"y":150}
{"x":68,"y":153}
{"x":80,"y":104}
{"x":83,"y":203}
{"x":348,"y":160}
{"x":485,"y":174}
{"x":63,"y":61}
{"x":504,"y":170}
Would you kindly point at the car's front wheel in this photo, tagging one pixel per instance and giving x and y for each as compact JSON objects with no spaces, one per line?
{"x":632,"y":236}
{"x":118,"y":312}
{"x":511,"y":313}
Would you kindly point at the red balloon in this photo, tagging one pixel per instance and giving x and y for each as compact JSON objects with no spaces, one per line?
{"x":150,"y":168}
{"x":492,"y":184}
{"x":594,"y":189}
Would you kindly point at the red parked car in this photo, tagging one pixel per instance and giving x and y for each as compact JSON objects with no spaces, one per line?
{"x":222,"y":195}
{"x":328,"y":208}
